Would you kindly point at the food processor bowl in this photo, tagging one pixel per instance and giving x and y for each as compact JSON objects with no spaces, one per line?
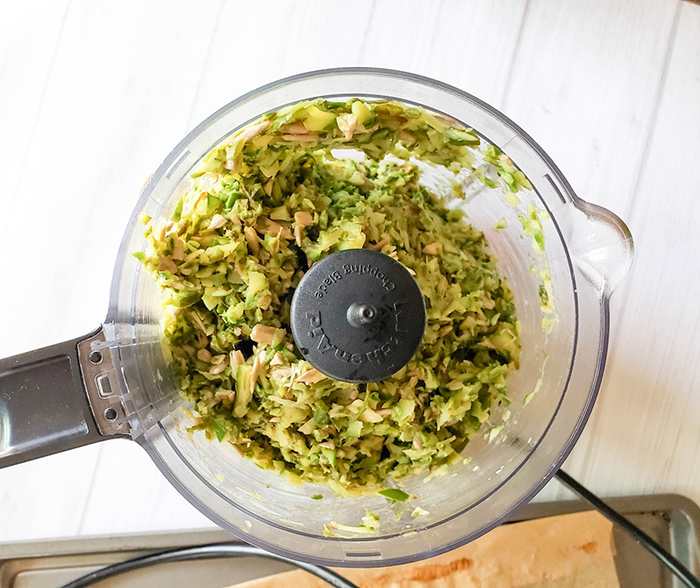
{"x":586,"y":251}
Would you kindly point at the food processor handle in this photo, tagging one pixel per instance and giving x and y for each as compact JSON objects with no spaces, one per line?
{"x":44,"y":405}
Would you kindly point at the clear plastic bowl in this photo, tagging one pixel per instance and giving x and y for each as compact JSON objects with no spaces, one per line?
{"x":587,"y":249}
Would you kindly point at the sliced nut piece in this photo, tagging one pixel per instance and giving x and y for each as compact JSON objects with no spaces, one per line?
{"x":254,"y":131}
{"x":217,"y":221}
{"x":277,"y":359}
{"x":267,"y":226}
{"x":418,"y":442}
{"x":311,"y":377}
{"x":172,"y":228}
{"x":178,"y":249}
{"x":487,"y":303}
{"x":406,"y":137}
{"x":217,"y":369}
{"x":232,"y":163}
{"x":299,"y":138}
{"x":225,"y":395}
{"x":303,"y":218}
{"x":263,"y":334}
{"x":217,"y":359}
{"x":166,"y":264}
{"x":252,"y":237}
{"x":295,"y":128}
{"x":347,"y":124}
{"x":268,"y":186}
{"x":505,"y":159}
{"x":369,"y":416}
{"x":173,"y":311}
{"x":281,"y":373}
{"x":236,"y":358}
{"x":200,"y":323}
{"x":293,"y":379}
{"x":204,"y":355}
{"x":433,"y":249}
{"x":265,"y":301}
{"x":379,"y":244}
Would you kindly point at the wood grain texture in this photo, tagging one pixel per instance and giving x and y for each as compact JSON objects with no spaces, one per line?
{"x":646,"y":433}
{"x":467,"y":44}
{"x":114,"y":103}
{"x":585,"y":82}
{"x":23,"y":81}
{"x":129,"y":494}
{"x":608,"y":87}
{"x":431,"y":38}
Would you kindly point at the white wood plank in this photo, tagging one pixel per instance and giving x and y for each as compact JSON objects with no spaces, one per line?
{"x":46,"y":497}
{"x":117,"y":98}
{"x":27,"y":51}
{"x":646,"y":437}
{"x":467,"y":44}
{"x":452,"y":41}
{"x":284,"y":38}
{"x":130,"y":494}
{"x":108,"y":117}
{"x":585,"y":83}
{"x":26,"y":56}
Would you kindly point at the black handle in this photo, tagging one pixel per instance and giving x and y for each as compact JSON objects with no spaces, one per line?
{"x":44,"y":407}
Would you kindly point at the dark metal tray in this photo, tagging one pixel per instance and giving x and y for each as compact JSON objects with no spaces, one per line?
{"x":672,"y":520}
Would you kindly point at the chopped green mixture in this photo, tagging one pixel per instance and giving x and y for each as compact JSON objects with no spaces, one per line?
{"x":272,"y":200}
{"x":370,"y":524}
{"x":394,"y":494}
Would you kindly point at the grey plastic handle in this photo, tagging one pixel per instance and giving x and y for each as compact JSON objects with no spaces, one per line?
{"x":44,"y":406}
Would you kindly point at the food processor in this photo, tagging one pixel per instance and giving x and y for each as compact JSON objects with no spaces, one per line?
{"x":115,"y":382}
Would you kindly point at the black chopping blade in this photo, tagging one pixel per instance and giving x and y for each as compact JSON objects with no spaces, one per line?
{"x":358,"y":315}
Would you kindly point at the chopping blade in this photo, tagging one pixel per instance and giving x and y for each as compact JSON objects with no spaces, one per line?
{"x":358,"y":316}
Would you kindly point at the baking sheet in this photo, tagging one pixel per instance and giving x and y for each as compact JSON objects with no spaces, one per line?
{"x":672,"y":520}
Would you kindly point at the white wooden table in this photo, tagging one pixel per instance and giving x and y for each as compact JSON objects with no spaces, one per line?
{"x":94,"y":94}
